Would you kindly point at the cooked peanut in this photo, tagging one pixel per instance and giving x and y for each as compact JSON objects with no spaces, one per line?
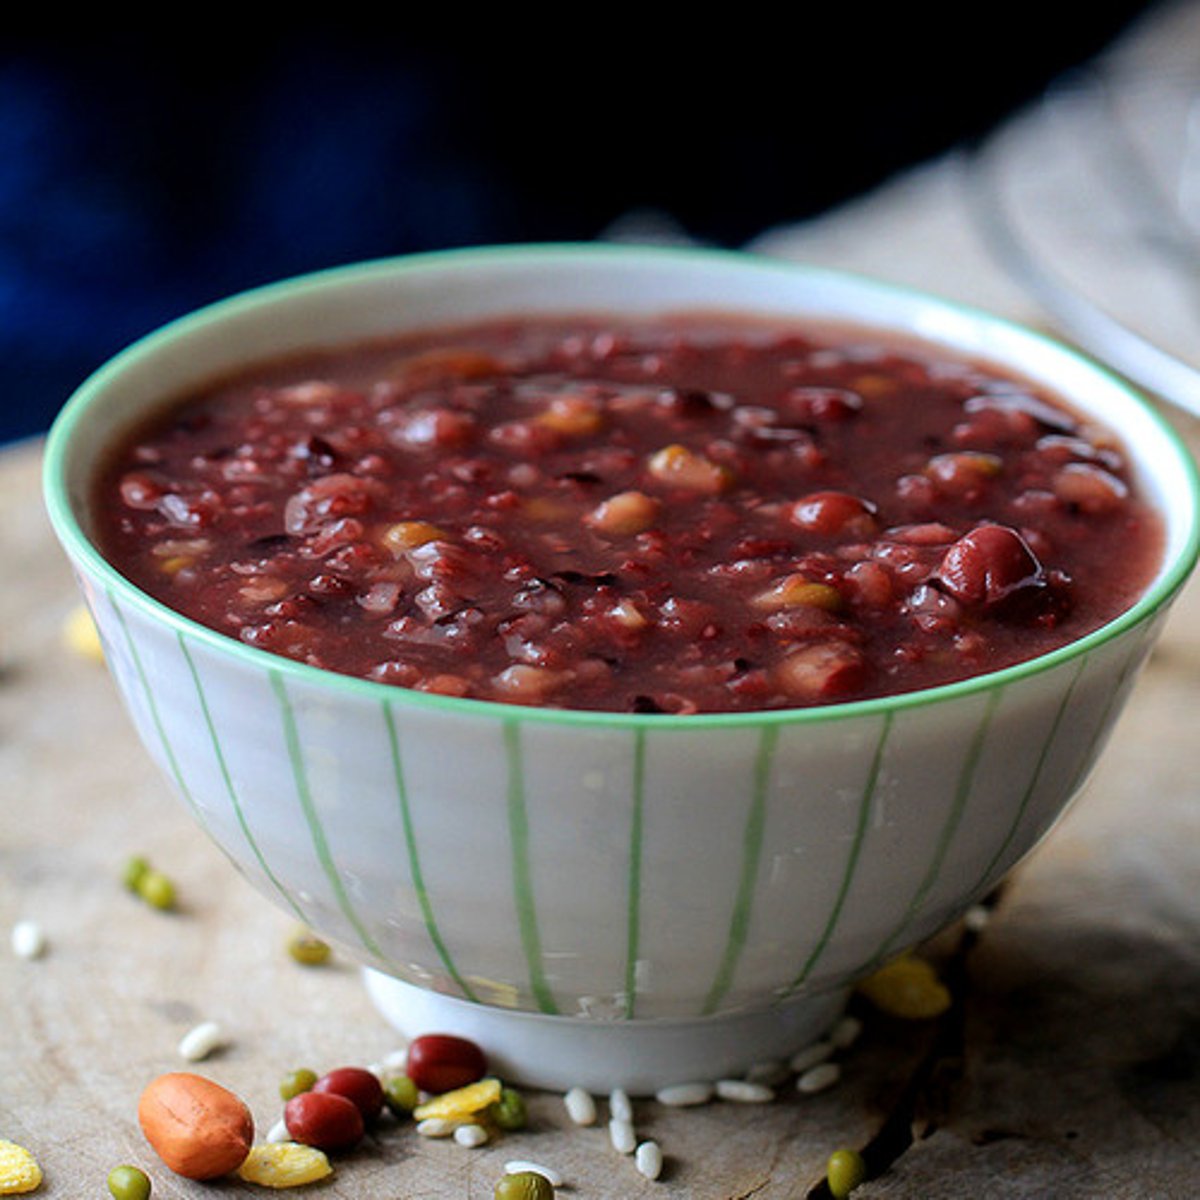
{"x":680,"y":467}
{"x":624,"y":514}
{"x":795,"y":591}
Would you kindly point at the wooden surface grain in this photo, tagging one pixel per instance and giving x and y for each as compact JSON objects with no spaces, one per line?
{"x":1080,"y":1071}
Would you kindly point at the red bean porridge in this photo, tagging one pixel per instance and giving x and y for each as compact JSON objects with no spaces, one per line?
{"x":703,"y":515}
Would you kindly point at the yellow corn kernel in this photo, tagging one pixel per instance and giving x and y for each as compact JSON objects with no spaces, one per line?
{"x":624,"y":514}
{"x":175,"y":564}
{"x":908,"y":988}
{"x":462,"y":1102}
{"x":572,"y":416}
{"x":680,"y":467}
{"x":544,"y":508}
{"x":19,"y":1171}
{"x":870,"y":386}
{"x":448,"y":362}
{"x":794,"y":591}
{"x":408,"y":535}
{"x":284,"y":1165}
{"x":80,"y":634}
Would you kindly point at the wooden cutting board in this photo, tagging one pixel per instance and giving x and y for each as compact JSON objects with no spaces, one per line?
{"x":1080,"y":1067}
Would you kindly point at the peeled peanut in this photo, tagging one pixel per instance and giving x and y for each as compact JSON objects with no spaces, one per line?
{"x":198,"y":1128}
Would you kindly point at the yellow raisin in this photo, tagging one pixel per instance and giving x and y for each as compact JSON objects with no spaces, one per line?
{"x":19,"y":1172}
{"x":462,"y":1102}
{"x":908,"y":988}
{"x":176,"y":563}
{"x":284,"y":1165}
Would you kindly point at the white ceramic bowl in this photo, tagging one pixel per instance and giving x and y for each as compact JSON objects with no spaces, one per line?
{"x":604,"y":899}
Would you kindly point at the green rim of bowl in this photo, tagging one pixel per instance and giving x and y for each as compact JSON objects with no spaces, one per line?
{"x":82,"y":549}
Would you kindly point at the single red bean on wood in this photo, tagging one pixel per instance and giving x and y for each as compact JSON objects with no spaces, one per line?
{"x":358,"y":1085}
{"x":323,"y":1120}
{"x":440,"y":1062}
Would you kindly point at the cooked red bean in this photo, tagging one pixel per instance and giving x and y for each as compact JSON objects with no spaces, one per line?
{"x":324,"y":1120}
{"x":440,"y":1062}
{"x":356,"y":1084}
{"x":685,"y":516}
{"x":831,"y":514}
{"x":988,"y":565}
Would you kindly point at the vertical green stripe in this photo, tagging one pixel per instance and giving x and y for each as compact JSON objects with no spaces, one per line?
{"x":1113,"y":696}
{"x":860,"y":831}
{"x":949,"y":828}
{"x":229,"y":788}
{"x":172,"y":762}
{"x":414,"y":861}
{"x":1043,"y":758}
{"x":316,"y":832}
{"x":633,"y":918}
{"x":752,"y":839}
{"x":518,"y":831}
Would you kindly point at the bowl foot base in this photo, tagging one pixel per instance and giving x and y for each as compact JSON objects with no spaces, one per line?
{"x":558,"y":1053}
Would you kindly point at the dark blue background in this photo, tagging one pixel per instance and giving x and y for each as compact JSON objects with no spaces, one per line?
{"x":141,"y":177}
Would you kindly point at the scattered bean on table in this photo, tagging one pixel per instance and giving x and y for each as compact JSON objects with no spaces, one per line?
{"x":297,"y":1081}
{"x":524,"y":1185}
{"x":128,"y":1183}
{"x":845,"y":1170}
{"x":525,"y":1167}
{"x":357,"y":1085}
{"x":324,"y":1120}
{"x":305,"y":947}
{"x":441,"y":1062}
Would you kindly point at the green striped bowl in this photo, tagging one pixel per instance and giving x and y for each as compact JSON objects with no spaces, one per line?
{"x":660,"y":894}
